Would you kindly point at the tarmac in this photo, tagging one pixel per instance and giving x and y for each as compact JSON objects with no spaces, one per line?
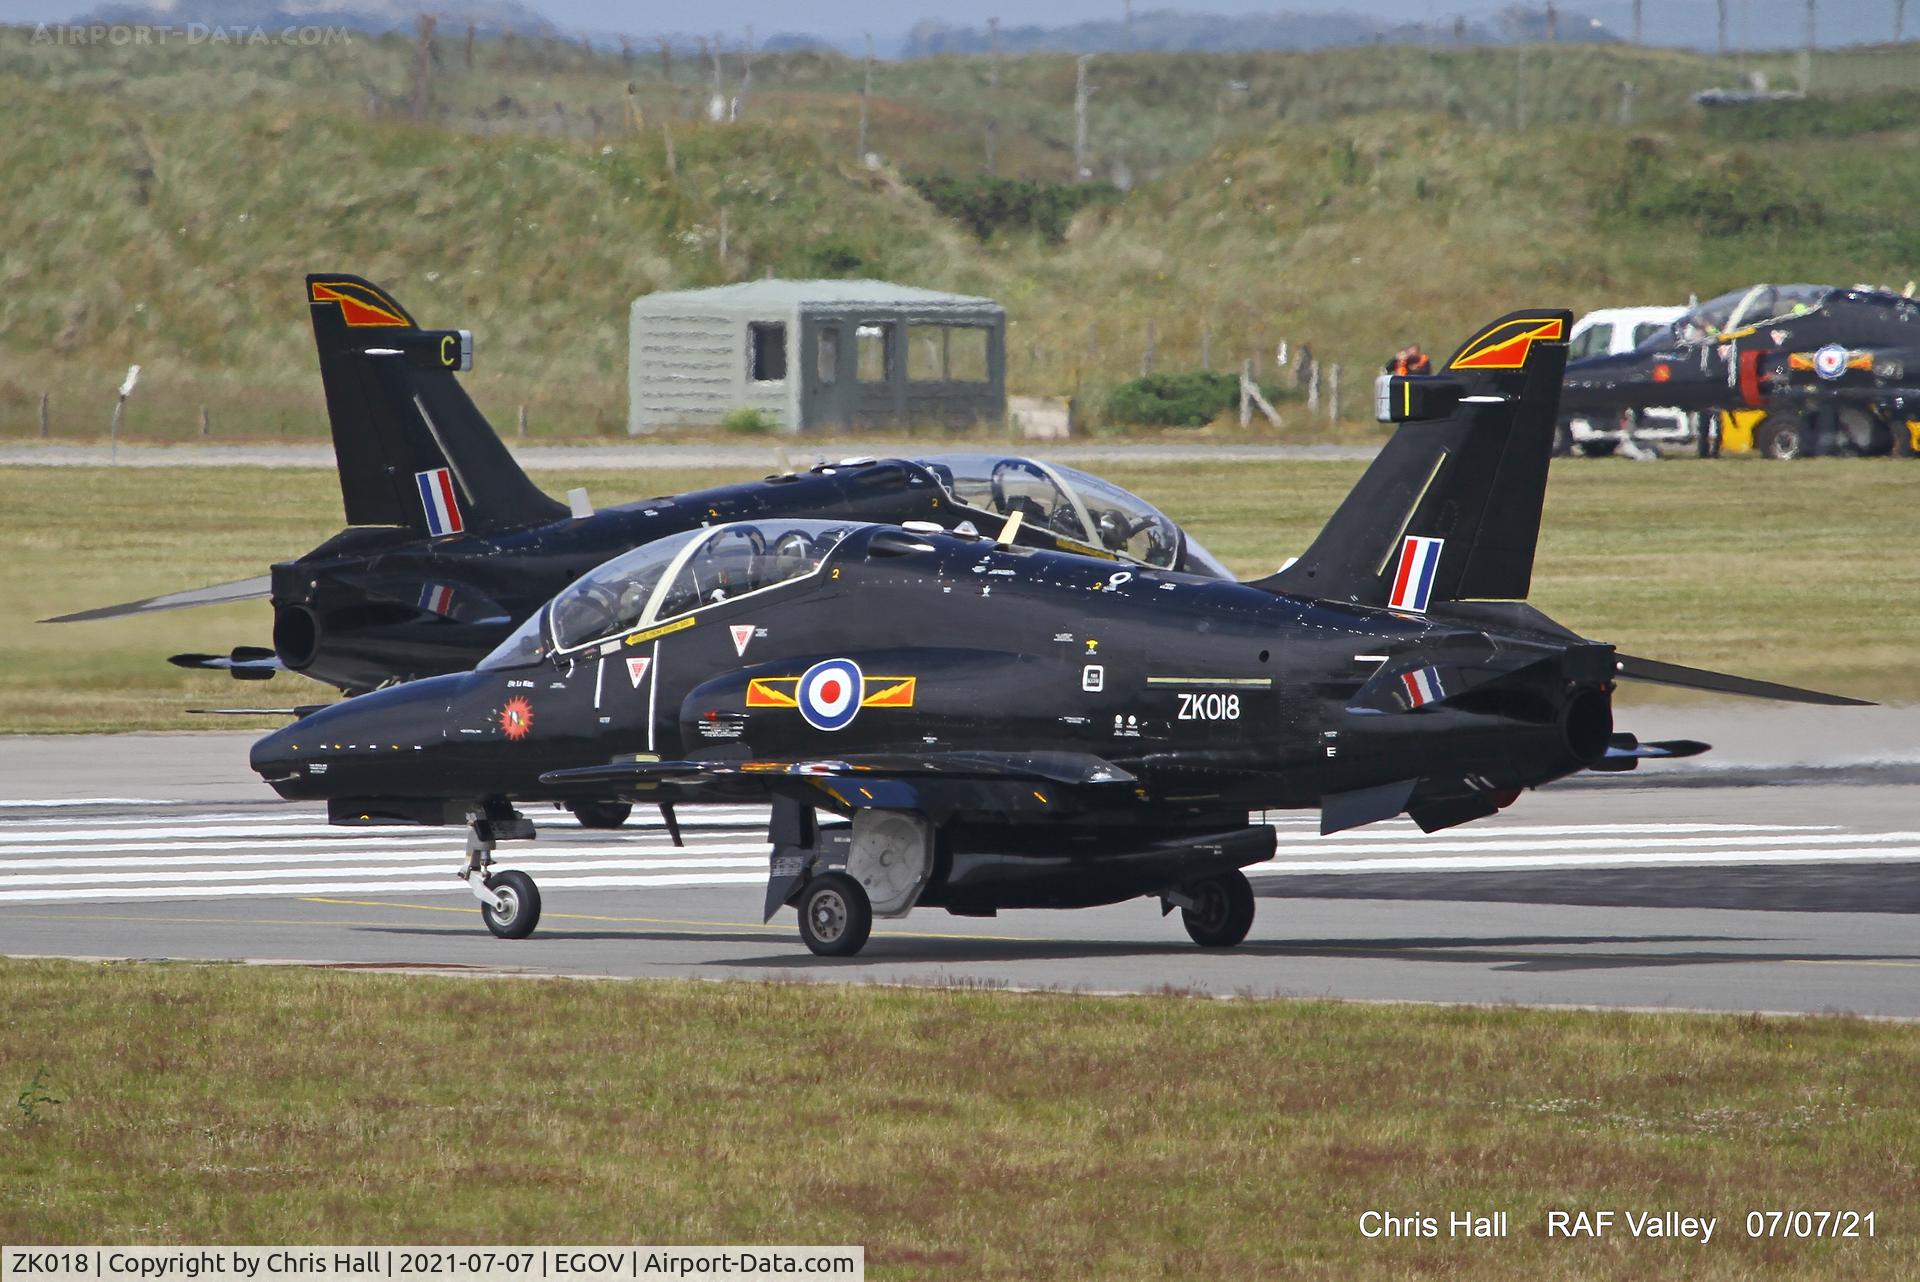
{"x":1779,"y":874}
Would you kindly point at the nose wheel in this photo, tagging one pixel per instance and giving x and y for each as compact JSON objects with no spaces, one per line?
{"x":509,"y":901}
{"x":516,"y":907}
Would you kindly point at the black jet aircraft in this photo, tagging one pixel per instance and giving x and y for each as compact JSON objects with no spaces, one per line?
{"x":994,"y":726}
{"x":450,"y":546}
{"x":1837,"y":369}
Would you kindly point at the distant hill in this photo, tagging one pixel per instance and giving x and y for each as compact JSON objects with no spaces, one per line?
{"x":376,"y":16}
{"x":1167,"y":31}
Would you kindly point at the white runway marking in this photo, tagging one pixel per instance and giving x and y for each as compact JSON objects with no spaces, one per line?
{"x":1635,"y":859}
{"x":35,"y":804}
{"x":131,"y":851}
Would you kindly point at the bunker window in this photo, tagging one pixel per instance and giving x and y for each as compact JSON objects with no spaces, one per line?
{"x":767,"y":351}
{"x":826,"y":356}
{"x":926,"y":354}
{"x":966,"y":354}
{"x":874,"y":354}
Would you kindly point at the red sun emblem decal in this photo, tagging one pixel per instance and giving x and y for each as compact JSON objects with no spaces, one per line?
{"x":516,"y":719}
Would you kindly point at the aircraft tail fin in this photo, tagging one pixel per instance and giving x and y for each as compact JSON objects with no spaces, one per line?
{"x":1450,"y":509}
{"x":412,"y":449}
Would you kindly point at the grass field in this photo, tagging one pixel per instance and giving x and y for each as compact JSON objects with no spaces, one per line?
{"x":1794,"y":573}
{"x":956,"y":1134}
{"x":1353,"y":200}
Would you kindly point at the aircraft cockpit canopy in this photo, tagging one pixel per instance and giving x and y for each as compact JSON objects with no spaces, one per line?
{"x":671,"y":577}
{"x":1063,"y":501}
{"x":1750,"y":305}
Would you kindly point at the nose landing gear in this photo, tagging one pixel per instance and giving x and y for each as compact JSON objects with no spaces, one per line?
{"x":509,"y":900}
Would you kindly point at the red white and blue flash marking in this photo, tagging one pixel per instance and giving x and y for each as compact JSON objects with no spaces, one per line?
{"x":829,"y":693}
{"x":1423,"y":687}
{"x":437,"y":598}
{"x":1413,"y":581}
{"x":436,"y":496}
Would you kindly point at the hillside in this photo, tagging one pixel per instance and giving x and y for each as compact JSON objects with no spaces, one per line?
{"x":163,"y":206}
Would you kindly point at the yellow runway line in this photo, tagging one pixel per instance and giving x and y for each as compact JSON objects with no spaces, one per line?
{"x":679,"y":921}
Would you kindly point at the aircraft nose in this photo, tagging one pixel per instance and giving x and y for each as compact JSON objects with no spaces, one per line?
{"x":272,"y":758}
{"x":348,"y":745}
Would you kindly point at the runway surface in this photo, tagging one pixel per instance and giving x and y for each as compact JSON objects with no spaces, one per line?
{"x":1759,"y":886}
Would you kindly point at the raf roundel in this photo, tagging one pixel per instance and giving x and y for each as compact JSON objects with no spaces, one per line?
{"x":829,"y":693}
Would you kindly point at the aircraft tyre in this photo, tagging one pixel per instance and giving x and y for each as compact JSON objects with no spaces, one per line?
{"x":835,"y":916}
{"x":1600,"y":449}
{"x":1780,"y":435}
{"x":522,"y":911}
{"x":600,"y":814}
{"x":1224,"y":912}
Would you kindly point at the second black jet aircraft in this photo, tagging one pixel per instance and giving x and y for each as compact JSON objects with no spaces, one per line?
{"x":450,"y":545}
{"x":1836,"y":369}
{"x":987,"y":726}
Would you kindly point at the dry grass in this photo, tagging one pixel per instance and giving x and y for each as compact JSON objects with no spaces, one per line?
{"x":1353,"y":199}
{"x":1793,"y":573}
{"x":955,"y":1134}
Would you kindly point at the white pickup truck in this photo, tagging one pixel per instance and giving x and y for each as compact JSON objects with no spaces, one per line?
{"x":1607,"y":332}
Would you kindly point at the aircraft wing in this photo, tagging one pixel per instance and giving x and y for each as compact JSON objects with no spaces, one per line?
{"x":1655,"y":672}
{"x":218,"y":594}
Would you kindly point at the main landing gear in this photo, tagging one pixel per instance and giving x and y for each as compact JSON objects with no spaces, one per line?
{"x":509,"y":901}
{"x":835,"y":915}
{"x":1218,"y":911}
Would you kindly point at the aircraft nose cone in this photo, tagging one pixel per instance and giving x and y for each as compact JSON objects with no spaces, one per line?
{"x":276,"y":759}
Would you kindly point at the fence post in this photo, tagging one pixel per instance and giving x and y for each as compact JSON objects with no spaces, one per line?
{"x":1313,"y":388}
{"x":423,"y":65}
{"x":1246,"y":402}
{"x":866,"y":92}
{"x":1333,"y":394}
{"x":1146,"y":353}
{"x":206,"y":423}
{"x":520,"y":425}
{"x":46,"y":419}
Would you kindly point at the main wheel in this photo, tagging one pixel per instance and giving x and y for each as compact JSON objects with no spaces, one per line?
{"x":1223,"y":911}
{"x":520,"y":910}
{"x":600,"y":814}
{"x":835,"y":917}
{"x":1600,"y":449}
{"x":1780,"y":435}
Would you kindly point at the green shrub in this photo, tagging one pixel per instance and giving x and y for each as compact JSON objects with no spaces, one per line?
{"x":1826,"y":118}
{"x":747,"y":422}
{"x":830,"y":257}
{"x":988,"y":205}
{"x":1190,"y":399}
{"x":1719,"y":195}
